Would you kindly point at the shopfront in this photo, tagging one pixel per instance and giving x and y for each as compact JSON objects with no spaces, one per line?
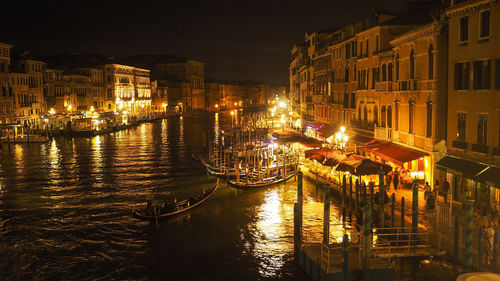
{"x":411,"y":164}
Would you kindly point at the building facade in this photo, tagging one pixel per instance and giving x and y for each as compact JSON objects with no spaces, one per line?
{"x":473,"y":104}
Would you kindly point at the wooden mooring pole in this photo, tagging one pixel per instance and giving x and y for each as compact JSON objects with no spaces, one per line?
{"x":367,"y":219}
{"x":495,"y":251}
{"x":402,"y":212}
{"x":345,"y":257}
{"x":393,"y":206}
{"x":326,"y":216}
{"x":469,"y":215}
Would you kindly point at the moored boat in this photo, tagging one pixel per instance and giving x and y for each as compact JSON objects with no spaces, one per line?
{"x":25,"y":139}
{"x":261,"y":183}
{"x":153,"y":213}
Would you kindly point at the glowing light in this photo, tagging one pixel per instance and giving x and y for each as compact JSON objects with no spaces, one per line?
{"x":232,"y":112}
{"x":342,"y":129}
{"x":92,"y":108}
{"x":282,"y":104}
{"x":298,"y":123}
{"x":216,"y":105}
{"x":70,"y":107}
{"x":52,"y":111}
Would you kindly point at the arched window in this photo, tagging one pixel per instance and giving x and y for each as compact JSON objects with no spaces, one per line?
{"x":382,"y":116}
{"x":365,"y":113}
{"x":389,"y":116}
{"x":375,"y":115}
{"x":429,"y":119}
{"x":430,"y":62}
{"x":389,"y":72}
{"x":412,"y":64}
{"x":384,"y":72}
{"x":359,"y":112}
{"x":397,"y":67}
{"x":347,"y":73}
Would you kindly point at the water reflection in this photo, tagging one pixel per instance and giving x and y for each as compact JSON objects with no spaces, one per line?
{"x":68,"y":203}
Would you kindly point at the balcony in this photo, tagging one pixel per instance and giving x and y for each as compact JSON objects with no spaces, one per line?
{"x":317,"y":98}
{"x":459,"y":144}
{"x":428,"y":84}
{"x":429,"y":144}
{"x":383,"y":133}
{"x":481,"y":148}
{"x":385,"y":86}
{"x":408,"y":85}
{"x":410,"y":139}
{"x":360,"y":124}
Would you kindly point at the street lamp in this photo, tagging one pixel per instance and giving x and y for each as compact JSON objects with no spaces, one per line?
{"x":52,"y":111}
{"x":232,"y":115}
{"x":341,"y":138}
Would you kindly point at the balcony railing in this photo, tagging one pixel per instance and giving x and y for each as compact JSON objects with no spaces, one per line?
{"x":383,"y":133}
{"x":428,"y":85}
{"x":360,"y":124}
{"x":408,"y":85}
{"x":482,"y":148}
{"x":459,"y":144}
{"x":384,"y":86}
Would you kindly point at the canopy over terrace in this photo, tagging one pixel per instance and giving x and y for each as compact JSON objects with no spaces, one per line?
{"x":296,"y":137}
{"x":321,"y":130}
{"x":397,"y":154}
{"x":354,"y":164}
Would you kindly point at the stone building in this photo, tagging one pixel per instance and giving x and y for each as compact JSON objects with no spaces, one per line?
{"x":30,"y":105}
{"x":127,"y":89}
{"x":97,"y":97}
{"x":6,"y":94}
{"x":473,"y":127}
{"x":54,"y":90}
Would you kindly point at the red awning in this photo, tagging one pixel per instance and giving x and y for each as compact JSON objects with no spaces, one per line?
{"x":397,"y":154}
{"x":326,"y":131}
{"x":362,"y":140}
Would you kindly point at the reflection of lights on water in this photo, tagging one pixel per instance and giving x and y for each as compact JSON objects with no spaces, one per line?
{"x":269,"y":244}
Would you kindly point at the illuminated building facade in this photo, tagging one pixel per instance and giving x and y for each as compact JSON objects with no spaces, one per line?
{"x":30,"y":104}
{"x":473,"y":104}
{"x":128,"y":89}
{"x":6,"y":94}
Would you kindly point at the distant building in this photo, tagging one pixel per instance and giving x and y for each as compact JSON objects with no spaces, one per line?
{"x":54,"y":90}
{"x":97,"y":97}
{"x":6,"y":91}
{"x":184,"y":78}
{"x":31,"y":104}
{"x":127,"y":89}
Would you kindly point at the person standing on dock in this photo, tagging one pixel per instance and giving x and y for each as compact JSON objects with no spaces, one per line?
{"x":446,"y":188}
{"x":396,"y":180}
{"x":389,"y":180}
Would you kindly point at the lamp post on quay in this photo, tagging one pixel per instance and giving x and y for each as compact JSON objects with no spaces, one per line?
{"x":341,"y":139}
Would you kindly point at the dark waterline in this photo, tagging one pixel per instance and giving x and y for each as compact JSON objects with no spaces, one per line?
{"x":68,"y":207}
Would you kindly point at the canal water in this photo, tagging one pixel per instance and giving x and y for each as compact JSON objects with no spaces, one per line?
{"x":66,"y":207}
{"x":67,"y":211}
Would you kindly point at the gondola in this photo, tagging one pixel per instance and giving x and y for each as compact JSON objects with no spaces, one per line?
{"x":153,"y":213}
{"x":262,"y":183}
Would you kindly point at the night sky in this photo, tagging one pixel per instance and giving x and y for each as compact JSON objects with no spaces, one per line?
{"x":239,"y":40}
